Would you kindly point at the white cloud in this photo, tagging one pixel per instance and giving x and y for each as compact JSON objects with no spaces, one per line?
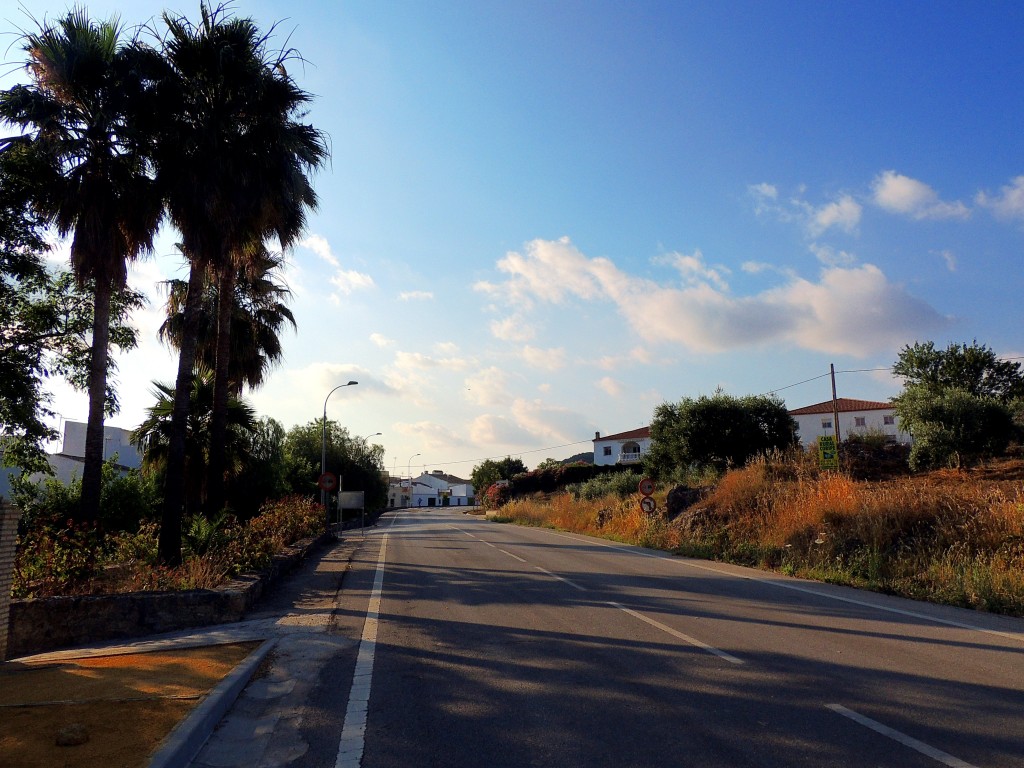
{"x":512,"y":328}
{"x":549,"y":422}
{"x":632,"y":358}
{"x":488,"y":387}
{"x":347,"y":281}
{"x":406,"y":361}
{"x":489,"y":429}
{"x":831,"y":257}
{"x":950,"y":260}
{"x":610,"y":386}
{"x":844,"y":213}
{"x":432,"y":437}
{"x":547,"y":359}
{"x":1009,"y":204}
{"x":319,"y":245}
{"x":897,"y":193}
{"x":416,"y":295}
{"x":381,"y":340}
{"x":693,"y":270}
{"x":446,"y":347}
{"x":848,"y":310}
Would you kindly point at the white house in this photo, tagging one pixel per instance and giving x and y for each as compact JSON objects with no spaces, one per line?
{"x":855,"y":417}
{"x":623,"y":447}
{"x":430,"y":489}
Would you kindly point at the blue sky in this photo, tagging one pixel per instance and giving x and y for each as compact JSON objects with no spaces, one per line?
{"x":543,"y":219}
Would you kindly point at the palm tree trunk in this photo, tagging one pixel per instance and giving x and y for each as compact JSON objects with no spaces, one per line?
{"x":174,"y":482}
{"x":92,"y":471}
{"x":215,"y":494}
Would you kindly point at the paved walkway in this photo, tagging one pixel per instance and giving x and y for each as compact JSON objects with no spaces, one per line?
{"x":263,"y":725}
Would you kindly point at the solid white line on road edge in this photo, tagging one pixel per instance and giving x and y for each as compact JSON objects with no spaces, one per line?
{"x":353,"y":731}
{"x":775,"y":582}
{"x":560,"y":578}
{"x":902,"y":738}
{"x":686,"y":638}
{"x":506,"y":552}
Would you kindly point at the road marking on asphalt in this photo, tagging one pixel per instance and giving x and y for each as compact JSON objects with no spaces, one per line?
{"x":353,"y":730}
{"x":775,"y":582}
{"x":472,"y":536}
{"x":675,"y":633}
{"x":902,"y":738}
{"x":561,"y":578}
{"x":506,"y":552}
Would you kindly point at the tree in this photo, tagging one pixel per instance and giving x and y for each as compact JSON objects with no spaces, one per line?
{"x":91,"y":176}
{"x":358,"y":466}
{"x":233,"y":161}
{"x":957,"y":403}
{"x":720,"y":431}
{"x":45,"y":323}
{"x":953,"y":427}
{"x":973,"y":368}
{"x":258,"y":317}
{"x":153,"y":436}
{"x":490,"y":471}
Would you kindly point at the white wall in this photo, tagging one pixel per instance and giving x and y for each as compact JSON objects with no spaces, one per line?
{"x":812,"y":426}
{"x":616,"y":447}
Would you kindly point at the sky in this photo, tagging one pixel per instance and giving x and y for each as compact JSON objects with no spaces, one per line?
{"x":543,"y":219}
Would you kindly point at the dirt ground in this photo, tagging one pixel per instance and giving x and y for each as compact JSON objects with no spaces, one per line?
{"x":126,"y":704}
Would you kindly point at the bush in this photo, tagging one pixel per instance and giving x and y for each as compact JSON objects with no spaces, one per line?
{"x":620,"y":484}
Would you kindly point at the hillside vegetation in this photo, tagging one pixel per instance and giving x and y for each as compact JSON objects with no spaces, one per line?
{"x":948,"y":536}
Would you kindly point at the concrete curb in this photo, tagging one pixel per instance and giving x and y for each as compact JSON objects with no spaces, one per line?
{"x":182,"y":744}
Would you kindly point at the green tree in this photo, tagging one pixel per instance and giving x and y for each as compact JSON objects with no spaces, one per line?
{"x":265,"y":474}
{"x":153,"y":436}
{"x":258,"y":317}
{"x":46,"y":321}
{"x":358,"y":466}
{"x":973,"y":368}
{"x":953,"y":427}
{"x":489,"y":472}
{"x":91,"y":177}
{"x":233,"y":161}
{"x":720,"y":431}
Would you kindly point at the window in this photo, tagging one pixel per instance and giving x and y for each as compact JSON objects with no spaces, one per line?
{"x":889,"y":421}
{"x":607,"y":450}
{"x":860,"y":421}
{"x":826,"y":423}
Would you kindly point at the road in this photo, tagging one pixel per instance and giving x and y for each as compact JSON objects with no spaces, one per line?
{"x":495,"y":645}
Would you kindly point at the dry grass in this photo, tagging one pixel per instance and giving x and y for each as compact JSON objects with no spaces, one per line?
{"x":954,"y":537}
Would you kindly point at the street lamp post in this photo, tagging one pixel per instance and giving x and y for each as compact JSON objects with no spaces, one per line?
{"x":408,"y":471}
{"x":323,"y":440}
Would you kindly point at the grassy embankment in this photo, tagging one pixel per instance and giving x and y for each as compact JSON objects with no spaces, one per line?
{"x":954,"y":537}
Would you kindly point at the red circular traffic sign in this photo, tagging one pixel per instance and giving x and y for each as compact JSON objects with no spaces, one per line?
{"x":646,"y":486}
{"x":648,"y":505}
{"x":327,"y":481}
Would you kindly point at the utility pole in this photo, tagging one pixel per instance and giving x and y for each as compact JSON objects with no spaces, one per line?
{"x":835,"y":404}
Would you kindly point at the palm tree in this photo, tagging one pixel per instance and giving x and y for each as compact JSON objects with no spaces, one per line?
{"x":153,"y":436}
{"x":259,"y":314}
{"x":233,"y":160}
{"x":78,"y":115}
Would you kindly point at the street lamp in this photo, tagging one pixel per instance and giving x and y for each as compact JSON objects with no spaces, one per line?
{"x":323,"y":440}
{"x":408,"y":467}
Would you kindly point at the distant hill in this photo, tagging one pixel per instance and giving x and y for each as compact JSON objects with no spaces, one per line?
{"x":587,"y":458}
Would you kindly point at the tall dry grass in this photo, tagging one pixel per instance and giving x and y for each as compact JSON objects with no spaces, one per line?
{"x":950,"y":538}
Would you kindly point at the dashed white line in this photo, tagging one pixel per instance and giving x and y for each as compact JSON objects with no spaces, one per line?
{"x":677,"y":634}
{"x":902,"y":738}
{"x":560,"y":578}
{"x":353,"y":730}
{"x":506,"y":552}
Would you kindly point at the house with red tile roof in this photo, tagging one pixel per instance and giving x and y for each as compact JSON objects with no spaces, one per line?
{"x":855,"y":417}
{"x":622,"y":447}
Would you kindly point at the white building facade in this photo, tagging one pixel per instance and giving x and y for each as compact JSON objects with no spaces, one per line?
{"x":431,"y":489}
{"x":863,"y":417}
{"x":622,"y":447}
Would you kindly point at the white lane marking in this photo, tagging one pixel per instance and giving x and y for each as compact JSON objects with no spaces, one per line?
{"x":774,"y":582}
{"x":353,"y":731}
{"x":560,"y":578}
{"x":902,"y":738}
{"x":675,"y":633}
{"x":472,"y":536}
{"x":506,"y":552}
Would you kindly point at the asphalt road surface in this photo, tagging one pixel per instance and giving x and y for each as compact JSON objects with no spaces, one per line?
{"x":496,"y":645}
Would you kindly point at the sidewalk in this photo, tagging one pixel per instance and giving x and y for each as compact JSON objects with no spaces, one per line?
{"x":156,"y":700}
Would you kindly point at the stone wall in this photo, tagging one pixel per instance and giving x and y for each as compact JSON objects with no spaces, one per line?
{"x":61,"y":622}
{"x":8,"y":540}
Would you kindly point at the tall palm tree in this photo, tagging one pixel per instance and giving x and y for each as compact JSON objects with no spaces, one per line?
{"x":78,"y":115}
{"x":233,"y":161}
{"x":259,"y":314}
{"x":154,"y":434}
